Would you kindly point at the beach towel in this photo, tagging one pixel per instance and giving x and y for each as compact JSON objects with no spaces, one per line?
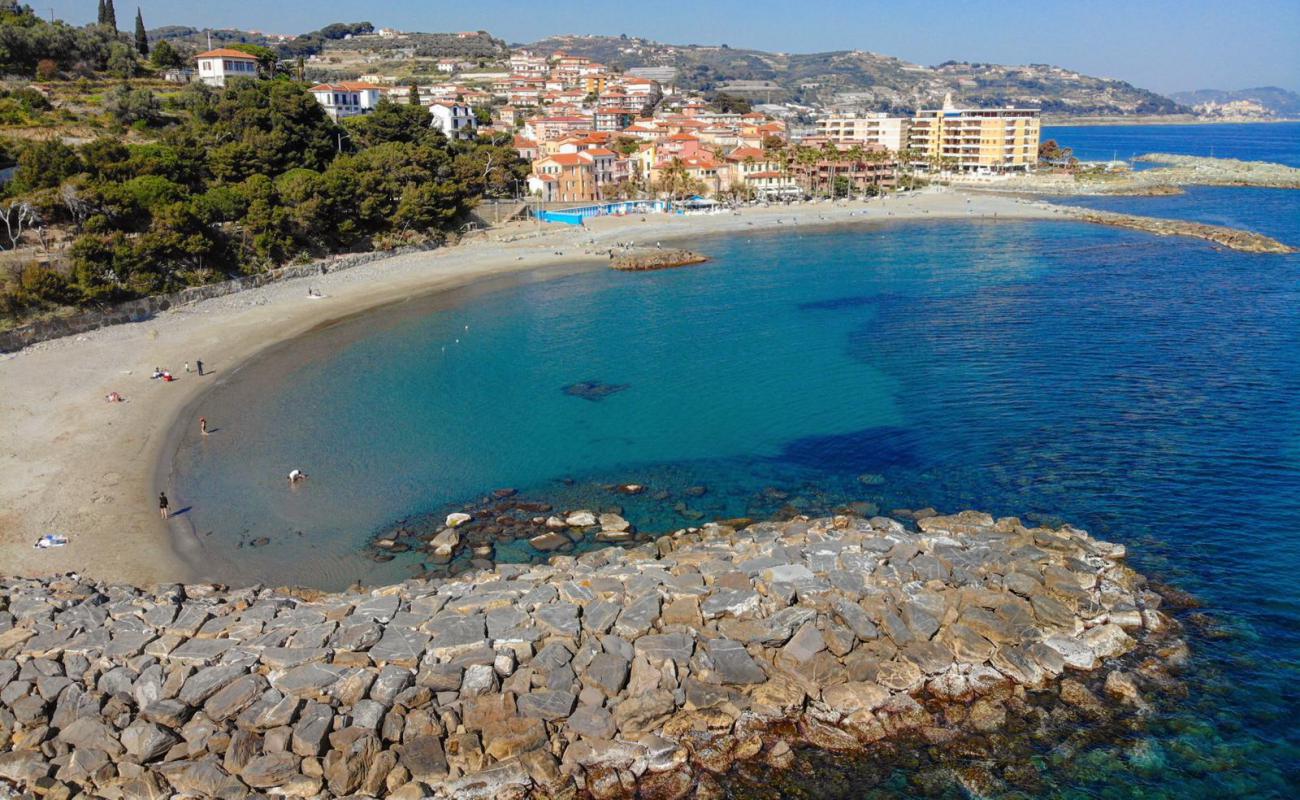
{"x":51,"y":540}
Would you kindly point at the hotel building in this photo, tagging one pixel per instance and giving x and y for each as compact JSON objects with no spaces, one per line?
{"x":985,"y":140}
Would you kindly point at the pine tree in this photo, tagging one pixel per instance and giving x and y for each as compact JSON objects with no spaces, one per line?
{"x":141,"y":38}
{"x":110,"y":15}
{"x":415,"y":95}
{"x":99,"y":20}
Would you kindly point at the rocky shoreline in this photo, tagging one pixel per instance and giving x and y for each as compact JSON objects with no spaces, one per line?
{"x":645,"y":671}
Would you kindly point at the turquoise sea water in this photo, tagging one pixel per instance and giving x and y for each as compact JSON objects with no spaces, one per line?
{"x":1146,"y":389}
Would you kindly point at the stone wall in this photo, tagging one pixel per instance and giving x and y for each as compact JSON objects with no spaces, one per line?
{"x":620,"y":672}
{"x":145,"y":308}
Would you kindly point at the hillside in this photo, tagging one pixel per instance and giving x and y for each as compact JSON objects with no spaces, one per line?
{"x":1261,"y":101}
{"x":868,"y":81}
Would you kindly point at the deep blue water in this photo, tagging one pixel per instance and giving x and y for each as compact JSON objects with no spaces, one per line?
{"x":1274,"y":142}
{"x":1146,"y":389}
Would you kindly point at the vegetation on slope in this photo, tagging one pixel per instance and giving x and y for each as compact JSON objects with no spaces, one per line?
{"x":195,"y":186}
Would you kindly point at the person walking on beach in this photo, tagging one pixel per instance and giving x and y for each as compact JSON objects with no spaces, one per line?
{"x":203,"y":425}
{"x":187,"y":367}
{"x":163,"y":505}
{"x":199,"y":364}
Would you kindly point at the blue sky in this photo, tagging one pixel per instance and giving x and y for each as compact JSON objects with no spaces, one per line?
{"x":1157,"y":44}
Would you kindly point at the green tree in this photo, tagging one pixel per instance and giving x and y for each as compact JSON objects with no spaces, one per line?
{"x":110,"y":15}
{"x":263,"y":127}
{"x":414,"y":98}
{"x":122,"y":61}
{"x":164,"y":56}
{"x":129,"y":106}
{"x":45,"y":164}
{"x":141,"y":38}
{"x":393,"y":122}
{"x":267,"y":59}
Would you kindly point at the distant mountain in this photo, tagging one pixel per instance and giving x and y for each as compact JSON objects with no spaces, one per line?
{"x":1262,"y":101}
{"x":868,"y":81}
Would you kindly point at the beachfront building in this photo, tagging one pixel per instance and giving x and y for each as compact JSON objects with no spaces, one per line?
{"x":455,"y":120}
{"x":839,"y":170}
{"x":979,"y":140}
{"x":347,"y":98}
{"x":215,"y":66}
{"x":879,"y":129}
{"x":761,"y":174}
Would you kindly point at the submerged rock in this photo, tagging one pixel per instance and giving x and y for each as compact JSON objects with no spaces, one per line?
{"x":594,"y":390}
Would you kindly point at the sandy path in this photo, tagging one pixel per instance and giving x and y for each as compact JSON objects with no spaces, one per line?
{"x":72,"y":463}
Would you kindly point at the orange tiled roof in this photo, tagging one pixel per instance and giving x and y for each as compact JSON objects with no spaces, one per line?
{"x":226,"y":52}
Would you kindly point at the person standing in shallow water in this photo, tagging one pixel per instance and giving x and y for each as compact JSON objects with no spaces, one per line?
{"x":203,"y":425}
{"x":163,"y":505}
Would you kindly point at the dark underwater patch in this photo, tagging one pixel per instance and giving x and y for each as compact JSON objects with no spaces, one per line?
{"x":594,"y":390}
{"x":868,"y":450}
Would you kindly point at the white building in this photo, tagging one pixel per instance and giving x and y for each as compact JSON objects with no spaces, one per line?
{"x":456,"y":120}
{"x":889,"y":132}
{"x":215,"y":66}
{"x":347,"y":99}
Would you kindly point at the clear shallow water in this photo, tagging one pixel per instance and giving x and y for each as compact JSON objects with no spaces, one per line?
{"x":1146,"y":389}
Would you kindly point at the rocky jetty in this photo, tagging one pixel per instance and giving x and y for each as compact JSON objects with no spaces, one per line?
{"x":1174,"y":172}
{"x":621,"y":672}
{"x":644,"y":260}
{"x":1179,"y":170}
{"x":1231,"y":238}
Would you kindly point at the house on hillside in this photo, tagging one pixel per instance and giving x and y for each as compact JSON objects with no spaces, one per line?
{"x":455,"y":120}
{"x":215,"y":66}
{"x":347,"y":99}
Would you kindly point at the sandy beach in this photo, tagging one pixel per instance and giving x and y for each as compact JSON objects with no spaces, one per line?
{"x":73,"y":464}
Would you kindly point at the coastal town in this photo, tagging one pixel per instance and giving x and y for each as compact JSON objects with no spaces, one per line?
{"x":594,"y":135}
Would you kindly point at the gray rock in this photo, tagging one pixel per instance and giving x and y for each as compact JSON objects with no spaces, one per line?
{"x":593,"y":722}
{"x":560,"y":619}
{"x":234,"y":698}
{"x":200,"y":651}
{"x":400,"y":646}
{"x":424,"y":758}
{"x":271,"y":770}
{"x":145,"y":741}
{"x":307,"y":680}
{"x":367,"y":714}
{"x":310,"y":731}
{"x":805,"y":644}
{"x":607,"y":672}
{"x":658,"y":648}
{"x":637,"y":618}
{"x":455,"y":635}
{"x":546,"y":704}
{"x":732,"y":662}
{"x":599,"y":615}
{"x":479,"y":679}
{"x":741,"y":603}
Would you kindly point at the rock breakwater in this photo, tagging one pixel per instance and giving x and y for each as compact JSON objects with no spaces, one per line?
{"x":617,"y":673}
{"x":645,"y":260}
{"x":1231,"y":238}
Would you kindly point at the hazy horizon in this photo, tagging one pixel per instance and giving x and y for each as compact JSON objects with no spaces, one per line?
{"x":1162,"y":45}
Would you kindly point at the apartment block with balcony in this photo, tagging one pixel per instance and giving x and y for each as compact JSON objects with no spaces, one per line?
{"x":878,"y":129}
{"x":979,"y":140}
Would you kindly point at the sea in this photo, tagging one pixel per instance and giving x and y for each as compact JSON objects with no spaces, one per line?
{"x":1145,"y":389}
